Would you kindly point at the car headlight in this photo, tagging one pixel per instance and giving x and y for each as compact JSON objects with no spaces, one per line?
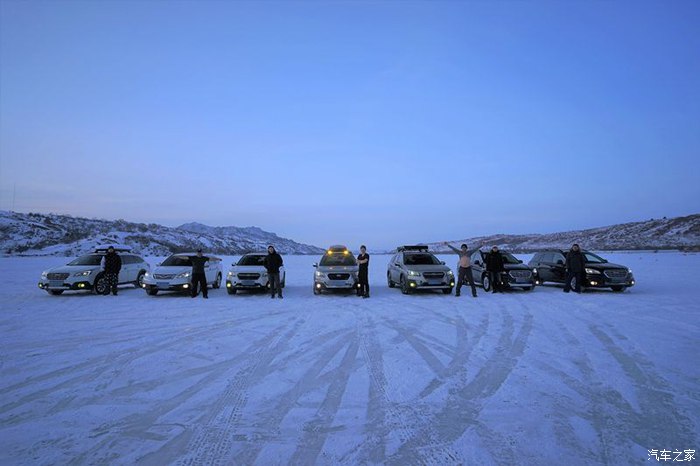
{"x":230,"y":274}
{"x":629,"y":271}
{"x":413,"y":273}
{"x":592,"y":271}
{"x":319,"y":274}
{"x":183,"y":275}
{"x":82,"y":274}
{"x":44,"y":274}
{"x":450,"y":273}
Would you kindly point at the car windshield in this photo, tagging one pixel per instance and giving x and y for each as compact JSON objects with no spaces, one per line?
{"x":338,"y":259}
{"x":90,"y":259}
{"x":592,"y":258}
{"x":509,"y":258}
{"x":253,"y":259}
{"x":420,"y":259}
{"x":177,"y":261}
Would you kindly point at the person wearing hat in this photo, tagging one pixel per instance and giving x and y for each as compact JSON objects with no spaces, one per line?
{"x":111,"y":264}
{"x":494,"y":267}
{"x":272,"y":262}
{"x":199,"y":277}
{"x":575,"y":268}
{"x":363,"y":272}
{"x":465,"y":268}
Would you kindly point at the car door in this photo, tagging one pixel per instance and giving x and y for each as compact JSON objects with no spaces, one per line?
{"x":477,"y":262}
{"x":559,"y":267}
{"x":544,"y":267}
{"x":396,"y":268}
{"x":126,"y":270}
{"x":209,"y":271}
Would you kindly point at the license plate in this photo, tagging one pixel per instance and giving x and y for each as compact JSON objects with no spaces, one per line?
{"x":248,"y":283}
{"x":163,"y":285}
{"x":55,"y":284}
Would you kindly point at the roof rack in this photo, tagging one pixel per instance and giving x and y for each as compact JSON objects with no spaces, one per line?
{"x":416,"y":247}
{"x":117,"y":248}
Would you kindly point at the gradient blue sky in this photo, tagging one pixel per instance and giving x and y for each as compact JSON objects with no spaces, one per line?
{"x":356,"y":122}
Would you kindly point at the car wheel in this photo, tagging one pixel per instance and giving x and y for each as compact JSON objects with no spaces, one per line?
{"x":447,"y":291}
{"x":618,"y":288}
{"x":404,"y":285}
{"x":231,"y":290}
{"x":100,"y":285}
{"x":572,"y":283}
{"x":139,"y":280}
{"x":389,"y":281}
{"x":486,"y":282}
{"x":151,"y":291}
{"x":55,"y":292}
{"x":217,"y":283}
{"x":529,"y":288}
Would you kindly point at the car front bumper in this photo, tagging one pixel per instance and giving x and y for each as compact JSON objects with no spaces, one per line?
{"x":421,"y":283}
{"x":65,"y":285}
{"x":174,"y":284}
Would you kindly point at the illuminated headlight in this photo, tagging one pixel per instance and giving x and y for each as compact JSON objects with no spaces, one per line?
{"x":82,"y":274}
{"x":264,"y":274}
{"x":592,"y":271}
{"x":629,"y":270}
{"x":413,"y":273}
{"x":450,"y":273}
{"x":44,"y":275}
{"x":319,"y":274}
{"x":230,"y":274}
{"x":183,"y":275}
{"x":147,"y":274}
{"x":534,"y":271}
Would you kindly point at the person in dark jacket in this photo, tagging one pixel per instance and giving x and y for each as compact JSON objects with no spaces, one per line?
{"x":111,"y":264}
{"x":273,"y":261}
{"x":494,"y":267}
{"x":199,"y":276}
{"x":575,"y":268}
{"x":363,"y":273}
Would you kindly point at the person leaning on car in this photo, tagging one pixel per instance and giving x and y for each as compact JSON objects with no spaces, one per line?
{"x":199,"y":277}
{"x":111,"y":263}
{"x":575,"y":267}
{"x":273,"y":261}
{"x":494,"y":267}
{"x":465,"y":268}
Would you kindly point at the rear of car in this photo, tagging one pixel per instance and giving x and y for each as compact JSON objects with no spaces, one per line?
{"x":336,"y":271}
{"x":249,"y":274}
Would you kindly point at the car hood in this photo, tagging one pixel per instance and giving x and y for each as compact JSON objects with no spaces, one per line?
{"x":427,"y":268}
{"x":72,"y":268}
{"x":337,"y":268}
{"x":165,"y":270}
{"x":605,"y":266}
{"x":249,"y":268}
{"x":516,"y":267}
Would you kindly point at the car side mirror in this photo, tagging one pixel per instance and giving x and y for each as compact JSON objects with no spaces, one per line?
{"x":442,"y":262}
{"x":520,"y":262}
{"x":315,"y":264}
{"x":560,"y":262}
{"x":605,"y":261}
{"x":158,"y":264}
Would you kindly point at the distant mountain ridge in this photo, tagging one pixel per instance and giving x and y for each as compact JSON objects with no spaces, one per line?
{"x":65,"y":235}
{"x":681,"y":233}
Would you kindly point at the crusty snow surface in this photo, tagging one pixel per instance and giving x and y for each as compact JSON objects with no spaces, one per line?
{"x":536,"y":377}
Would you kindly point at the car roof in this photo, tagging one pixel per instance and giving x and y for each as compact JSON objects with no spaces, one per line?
{"x":192,"y":254}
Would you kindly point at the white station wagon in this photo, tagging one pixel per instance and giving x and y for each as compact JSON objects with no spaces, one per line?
{"x":250,"y":274}
{"x":85,"y":272}
{"x":175,"y":274}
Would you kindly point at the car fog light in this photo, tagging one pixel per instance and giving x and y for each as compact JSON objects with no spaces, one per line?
{"x":413,"y":285}
{"x":228,"y":285}
{"x":633,"y":282}
{"x":318,"y":285}
{"x":143,"y":285}
{"x":40,"y":285}
{"x":452,"y":283}
{"x":594,"y":283}
{"x":81,"y":285}
{"x":185,"y":286}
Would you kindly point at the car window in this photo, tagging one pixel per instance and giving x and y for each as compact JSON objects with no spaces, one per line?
{"x":558,"y":257}
{"x":177,"y":261}
{"x":253,"y":259}
{"x":338,"y":259}
{"x":89,"y":259}
{"x":509,"y":258}
{"x":593,"y":258}
{"x":420,"y":259}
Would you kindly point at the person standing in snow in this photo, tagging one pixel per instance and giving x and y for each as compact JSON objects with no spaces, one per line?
{"x":363,"y":273}
{"x":199,"y":277}
{"x":273,"y":261}
{"x":575,"y":268}
{"x":111,"y":263}
{"x":494,"y":267}
{"x":465,"y":268}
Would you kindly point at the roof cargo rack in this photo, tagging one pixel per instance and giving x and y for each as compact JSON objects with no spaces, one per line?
{"x":117,"y":248}
{"x":416,"y":247}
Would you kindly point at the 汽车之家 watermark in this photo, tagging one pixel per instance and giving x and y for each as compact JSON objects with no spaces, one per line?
{"x":672,"y":455}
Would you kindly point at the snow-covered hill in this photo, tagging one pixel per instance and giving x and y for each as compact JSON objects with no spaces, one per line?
{"x":49,"y":234}
{"x":666,"y":233}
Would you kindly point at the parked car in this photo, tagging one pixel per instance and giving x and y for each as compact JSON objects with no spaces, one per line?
{"x":85,"y":272}
{"x":516,"y":274}
{"x":249,"y":274}
{"x":337,"y":270}
{"x":550,"y":266}
{"x":175,"y":274}
{"x":415,"y":268}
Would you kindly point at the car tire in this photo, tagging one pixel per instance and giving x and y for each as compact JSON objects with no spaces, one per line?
{"x":231,"y":290}
{"x":217,"y":283}
{"x":100,"y":284}
{"x":530,"y":288}
{"x":139,"y":280}
{"x":618,"y":289}
{"x":447,"y":291}
{"x":486,"y":282}
{"x":151,"y":291}
{"x":389,"y":281}
{"x":404,"y":285}
{"x":55,"y":292}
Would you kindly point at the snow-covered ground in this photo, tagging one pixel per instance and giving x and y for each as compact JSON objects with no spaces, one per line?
{"x":518,"y":378}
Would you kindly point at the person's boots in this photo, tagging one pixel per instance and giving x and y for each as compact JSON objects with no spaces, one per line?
{"x":457,"y":293}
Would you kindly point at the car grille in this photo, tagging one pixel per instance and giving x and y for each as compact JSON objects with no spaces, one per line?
{"x":163,"y":276}
{"x":616,"y":273}
{"x":433,"y":275}
{"x":338,"y":276}
{"x":57,"y":276}
{"x":520,"y":273}
{"x":248,"y":276}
